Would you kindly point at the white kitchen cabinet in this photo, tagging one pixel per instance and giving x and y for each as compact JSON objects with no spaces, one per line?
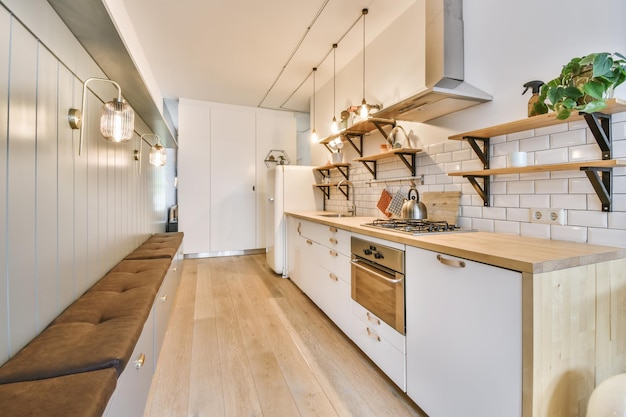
{"x":133,"y":385}
{"x":464,"y":336}
{"x":380,"y":342}
{"x":320,"y":265}
{"x":221,"y":191}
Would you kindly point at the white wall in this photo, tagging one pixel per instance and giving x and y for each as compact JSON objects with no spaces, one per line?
{"x":506,"y":45}
{"x":66,"y":219}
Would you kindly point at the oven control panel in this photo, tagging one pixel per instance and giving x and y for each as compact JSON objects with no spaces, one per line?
{"x":386,"y":256}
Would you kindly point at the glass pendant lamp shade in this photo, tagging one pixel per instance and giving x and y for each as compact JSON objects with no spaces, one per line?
{"x":117,"y":121}
{"x":158,"y":155}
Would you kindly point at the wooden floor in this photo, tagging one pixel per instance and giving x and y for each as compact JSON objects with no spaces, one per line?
{"x":244,"y":342}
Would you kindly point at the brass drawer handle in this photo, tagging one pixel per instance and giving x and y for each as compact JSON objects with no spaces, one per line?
{"x":309,"y":242}
{"x":333,"y":229}
{"x":373,"y":335}
{"x":140,"y":361}
{"x":451,"y":262}
{"x":163,"y":298}
{"x":333,"y":240}
{"x":333,"y":277}
{"x":333,"y":253}
{"x":372,"y":318}
{"x":299,"y":226}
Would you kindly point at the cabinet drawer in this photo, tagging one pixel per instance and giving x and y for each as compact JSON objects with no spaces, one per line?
{"x":391,"y":335}
{"x":328,"y":236}
{"x":389,"y":359}
{"x":333,"y":261}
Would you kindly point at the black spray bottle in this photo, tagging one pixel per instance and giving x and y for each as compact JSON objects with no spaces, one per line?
{"x":535,"y":85}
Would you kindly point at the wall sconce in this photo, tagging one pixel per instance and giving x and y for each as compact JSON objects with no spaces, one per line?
{"x":158,"y":154}
{"x":117,"y":122}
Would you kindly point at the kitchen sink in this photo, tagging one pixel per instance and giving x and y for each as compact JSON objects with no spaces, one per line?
{"x":336,"y":215}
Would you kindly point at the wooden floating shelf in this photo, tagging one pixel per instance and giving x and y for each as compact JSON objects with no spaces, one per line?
{"x":615,"y":105}
{"x":331,"y":166}
{"x":611,"y":163}
{"x":382,"y":155}
{"x":360,"y":128}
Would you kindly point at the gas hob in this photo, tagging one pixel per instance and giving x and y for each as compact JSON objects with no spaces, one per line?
{"x":415,"y":227}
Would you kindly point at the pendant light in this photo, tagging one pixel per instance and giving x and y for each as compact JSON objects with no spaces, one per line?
{"x":334,"y":128}
{"x":313,"y":132}
{"x":364,"y":112}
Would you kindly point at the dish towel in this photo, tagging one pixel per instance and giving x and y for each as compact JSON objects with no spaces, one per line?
{"x":383,"y":203}
{"x":395,"y":207}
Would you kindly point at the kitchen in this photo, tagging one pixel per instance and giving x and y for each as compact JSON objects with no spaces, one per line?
{"x":489,"y":39}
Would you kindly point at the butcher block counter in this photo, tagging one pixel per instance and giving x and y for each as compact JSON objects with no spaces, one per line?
{"x":519,"y":253}
{"x":573,"y":301}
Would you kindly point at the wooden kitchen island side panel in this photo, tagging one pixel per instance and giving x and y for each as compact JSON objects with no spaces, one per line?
{"x":578,"y":317}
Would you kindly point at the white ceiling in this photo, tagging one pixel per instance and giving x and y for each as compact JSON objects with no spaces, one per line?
{"x":251,"y":52}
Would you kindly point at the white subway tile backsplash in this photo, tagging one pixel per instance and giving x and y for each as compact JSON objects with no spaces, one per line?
{"x":453,"y":145}
{"x":518,"y":214}
{"x":496,"y":213}
{"x":587,"y":218}
{"x":580,"y":186}
{"x":619,"y":149}
{"x":585,"y":153}
{"x":511,"y":228}
{"x":619,"y":117}
{"x":462,"y":154}
{"x":471,"y":211}
{"x":520,"y":187}
{"x":534,"y":200}
{"x":443,"y":157}
{"x":472,"y":165}
{"x":569,"y":201}
{"x":577,"y":124}
{"x":569,"y":233}
{"x":509,"y":200}
{"x":551,"y":129}
{"x":569,"y":138}
{"x":534,"y":176}
{"x":617,"y":220}
{"x":552,"y":156}
{"x":497,"y":139}
{"x":607,"y":237}
{"x":619,"y":202}
{"x":498,"y":188}
{"x":483,"y":225}
{"x":505,"y":148}
{"x":540,"y":143}
{"x":436,"y":148}
{"x":535,"y":230}
{"x":498,"y":161}
{"x":558,"y":186}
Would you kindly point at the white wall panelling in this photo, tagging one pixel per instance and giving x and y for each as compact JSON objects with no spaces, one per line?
{"x":66,"y":219}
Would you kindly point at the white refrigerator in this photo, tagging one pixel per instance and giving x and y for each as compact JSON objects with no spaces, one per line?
{"x":289,"y":188}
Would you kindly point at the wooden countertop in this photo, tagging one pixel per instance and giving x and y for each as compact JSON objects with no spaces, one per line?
{"x":519,"y":253}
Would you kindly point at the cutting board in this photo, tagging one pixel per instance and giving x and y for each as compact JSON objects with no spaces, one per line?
{"x":442,"y":205}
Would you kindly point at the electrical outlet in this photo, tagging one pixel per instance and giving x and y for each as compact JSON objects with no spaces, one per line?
{"x":547,"y":216}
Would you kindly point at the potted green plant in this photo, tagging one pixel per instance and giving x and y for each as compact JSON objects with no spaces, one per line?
{"x":584,"y":85}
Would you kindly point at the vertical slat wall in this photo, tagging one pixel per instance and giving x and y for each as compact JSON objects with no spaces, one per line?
{"x":65,"y":219}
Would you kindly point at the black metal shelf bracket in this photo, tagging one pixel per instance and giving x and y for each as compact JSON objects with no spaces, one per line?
{"x":600,"y":125}
{"x":409,"y":164}
{"x":345,"y":191}
{"x":345,"y":171}
{"x":483,"y":191}
{"x":600,"y":179}
{"x":358,"y":148}
{"x":371,"y":168}
{"x":379,"y":126}
{"x":483,"y":154}
{"x":326,"y":190}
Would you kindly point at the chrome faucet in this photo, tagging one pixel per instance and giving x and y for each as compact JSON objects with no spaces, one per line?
{"x":352,"y":209}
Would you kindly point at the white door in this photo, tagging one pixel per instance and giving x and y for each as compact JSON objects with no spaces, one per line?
{"x":233,"y":174}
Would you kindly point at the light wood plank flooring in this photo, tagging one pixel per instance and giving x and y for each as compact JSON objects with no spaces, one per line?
{"x":244,"y":342}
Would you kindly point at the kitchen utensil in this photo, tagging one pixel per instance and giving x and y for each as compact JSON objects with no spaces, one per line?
{"x":395,"y":207}
{"x":383,"y":203}
{"x":413,"y":208}
{"x":442,"y":205}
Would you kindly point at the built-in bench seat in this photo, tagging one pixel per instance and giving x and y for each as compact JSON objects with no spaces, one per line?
{"x":90,"y":343}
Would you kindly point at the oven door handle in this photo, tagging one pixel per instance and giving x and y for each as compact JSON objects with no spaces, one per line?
{"x":358,"y":265}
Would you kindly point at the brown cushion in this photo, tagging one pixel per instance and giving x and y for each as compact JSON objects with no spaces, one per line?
{"x":152,"y":253}
{"x":124,"y":281}
{"x":80,"y":395}
{"x":157,"y":265}
{"x":97,"y":331}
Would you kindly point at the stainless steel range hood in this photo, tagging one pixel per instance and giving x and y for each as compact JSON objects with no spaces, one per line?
{"x":446,"y":92}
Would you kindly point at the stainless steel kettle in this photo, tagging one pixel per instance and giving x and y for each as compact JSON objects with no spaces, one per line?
{"x":413,"y":208}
